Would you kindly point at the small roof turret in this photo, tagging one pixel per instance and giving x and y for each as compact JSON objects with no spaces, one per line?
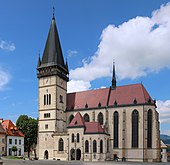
{"x":39,"y":61}
{"x":67,"y":66}
{"x":113,"y":77}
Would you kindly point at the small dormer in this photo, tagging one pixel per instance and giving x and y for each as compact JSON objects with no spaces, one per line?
{"x":135,"y":101}
{"x":115,"y":103}
{"x":86,"y":106}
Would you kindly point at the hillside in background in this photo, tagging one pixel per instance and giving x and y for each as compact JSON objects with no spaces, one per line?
{"x":165,"y":138}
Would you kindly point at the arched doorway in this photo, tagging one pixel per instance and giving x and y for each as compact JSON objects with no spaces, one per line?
{"x":72,"y":154}
{"x":78,"y":154}
{"x":46,"y":154}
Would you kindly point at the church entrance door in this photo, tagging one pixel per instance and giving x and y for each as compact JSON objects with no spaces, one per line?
{"x":46,"y":154}
{"x":78,"y":154}
{"x":72,"y":154}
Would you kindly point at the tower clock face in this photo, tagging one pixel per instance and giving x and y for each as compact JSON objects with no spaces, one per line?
{"x":61,"y":82}
{"x":46,"y":81}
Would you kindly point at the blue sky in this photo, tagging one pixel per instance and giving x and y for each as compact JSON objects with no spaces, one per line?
{"x":92,"y":33}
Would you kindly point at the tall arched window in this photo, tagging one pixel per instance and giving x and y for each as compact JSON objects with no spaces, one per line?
{"x":108,"y":144}
{"x":71,"y":118}
{"x":101,"y":146}
{"x":44,"y":99}
{"x":78,"y":137}
{"x":135,"y":127}
{"x":116,"y":129}
{"x":149,"y":131}
{"x":86,"y":146}
{"x":86,"y":118}
{"x":49,"y":99}
{"x":100,"y":118}
{"x":61,"y":145}
{"x":72,"y":138}
{"x":94,"y":146}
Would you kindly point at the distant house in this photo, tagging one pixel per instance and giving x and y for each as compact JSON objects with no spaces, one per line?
{"x":14,"y":137}
{"x":2,"y":140}
{"x":163,"y":152}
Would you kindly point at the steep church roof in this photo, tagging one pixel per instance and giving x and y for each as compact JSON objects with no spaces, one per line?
{"x":53,"y":53}
{"x":120,"y":96}
{"x":77,"y":121}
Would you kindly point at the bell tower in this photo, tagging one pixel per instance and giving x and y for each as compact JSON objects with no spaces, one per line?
{"x":52,"y":74}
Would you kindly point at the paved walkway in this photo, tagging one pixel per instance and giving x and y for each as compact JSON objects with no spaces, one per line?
{"x":51,"y":162}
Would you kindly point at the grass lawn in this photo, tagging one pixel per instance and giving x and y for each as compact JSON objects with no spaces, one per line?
{"x":13,"y":157}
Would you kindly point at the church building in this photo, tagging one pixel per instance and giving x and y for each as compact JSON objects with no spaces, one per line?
{"x":118,"y":122}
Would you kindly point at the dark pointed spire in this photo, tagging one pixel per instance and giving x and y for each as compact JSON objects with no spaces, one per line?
{"x":53,"y":55}
{"x":114,"y":76}
{"x":67,"y":66}
{"x":39,"y":61}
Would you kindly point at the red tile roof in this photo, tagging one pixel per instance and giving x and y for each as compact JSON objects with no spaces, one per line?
{"x":77,"y":121}
{"x":2,"y":131}
{"x":92,"y":98}
{"x":89,"y":127}
{"x":123,"y":95}
{"x":11,"y":129}
{"x":93,"y":127}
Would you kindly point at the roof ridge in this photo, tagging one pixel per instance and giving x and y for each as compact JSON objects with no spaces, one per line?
{"x":102,"y":88}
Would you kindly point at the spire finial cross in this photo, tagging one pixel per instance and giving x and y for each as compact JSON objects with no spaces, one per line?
{"x":53,"y":11}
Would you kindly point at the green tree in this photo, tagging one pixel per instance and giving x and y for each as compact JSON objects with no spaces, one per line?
{"x":14,"y":149}
{"x":29,"y":127}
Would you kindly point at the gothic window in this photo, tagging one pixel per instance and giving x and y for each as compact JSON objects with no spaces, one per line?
{"x":149,"y":131}
{"x":49,"y":99}
{"x":135,"y":127}
{"x":71,"y":118}
{"x":94,"y":146}
{"x":107,"y":145}
{"x":100,"y":118}
{"x":116,"y":129}
{"x":78,"y":137}
{"x":44,"y":99}
{"x":86,"y":118}
{"x":101,"y":146}
{"x":72,"y":138}
{"x":61,"y":145}
{"x":86,"y":146}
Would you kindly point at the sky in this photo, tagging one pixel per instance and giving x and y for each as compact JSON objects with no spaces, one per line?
{"x":93,"y":33}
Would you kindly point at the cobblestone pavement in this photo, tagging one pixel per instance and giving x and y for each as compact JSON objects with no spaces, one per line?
{"x":51,"y":162}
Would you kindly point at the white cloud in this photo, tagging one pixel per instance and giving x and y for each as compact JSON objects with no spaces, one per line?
{"x":8,"y":46}
{"x":139,"y":46}
{"x":72,"y":53}
{"x":163,"y":108}
{"x":77,"y":85}
{"x":4,"y":79}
